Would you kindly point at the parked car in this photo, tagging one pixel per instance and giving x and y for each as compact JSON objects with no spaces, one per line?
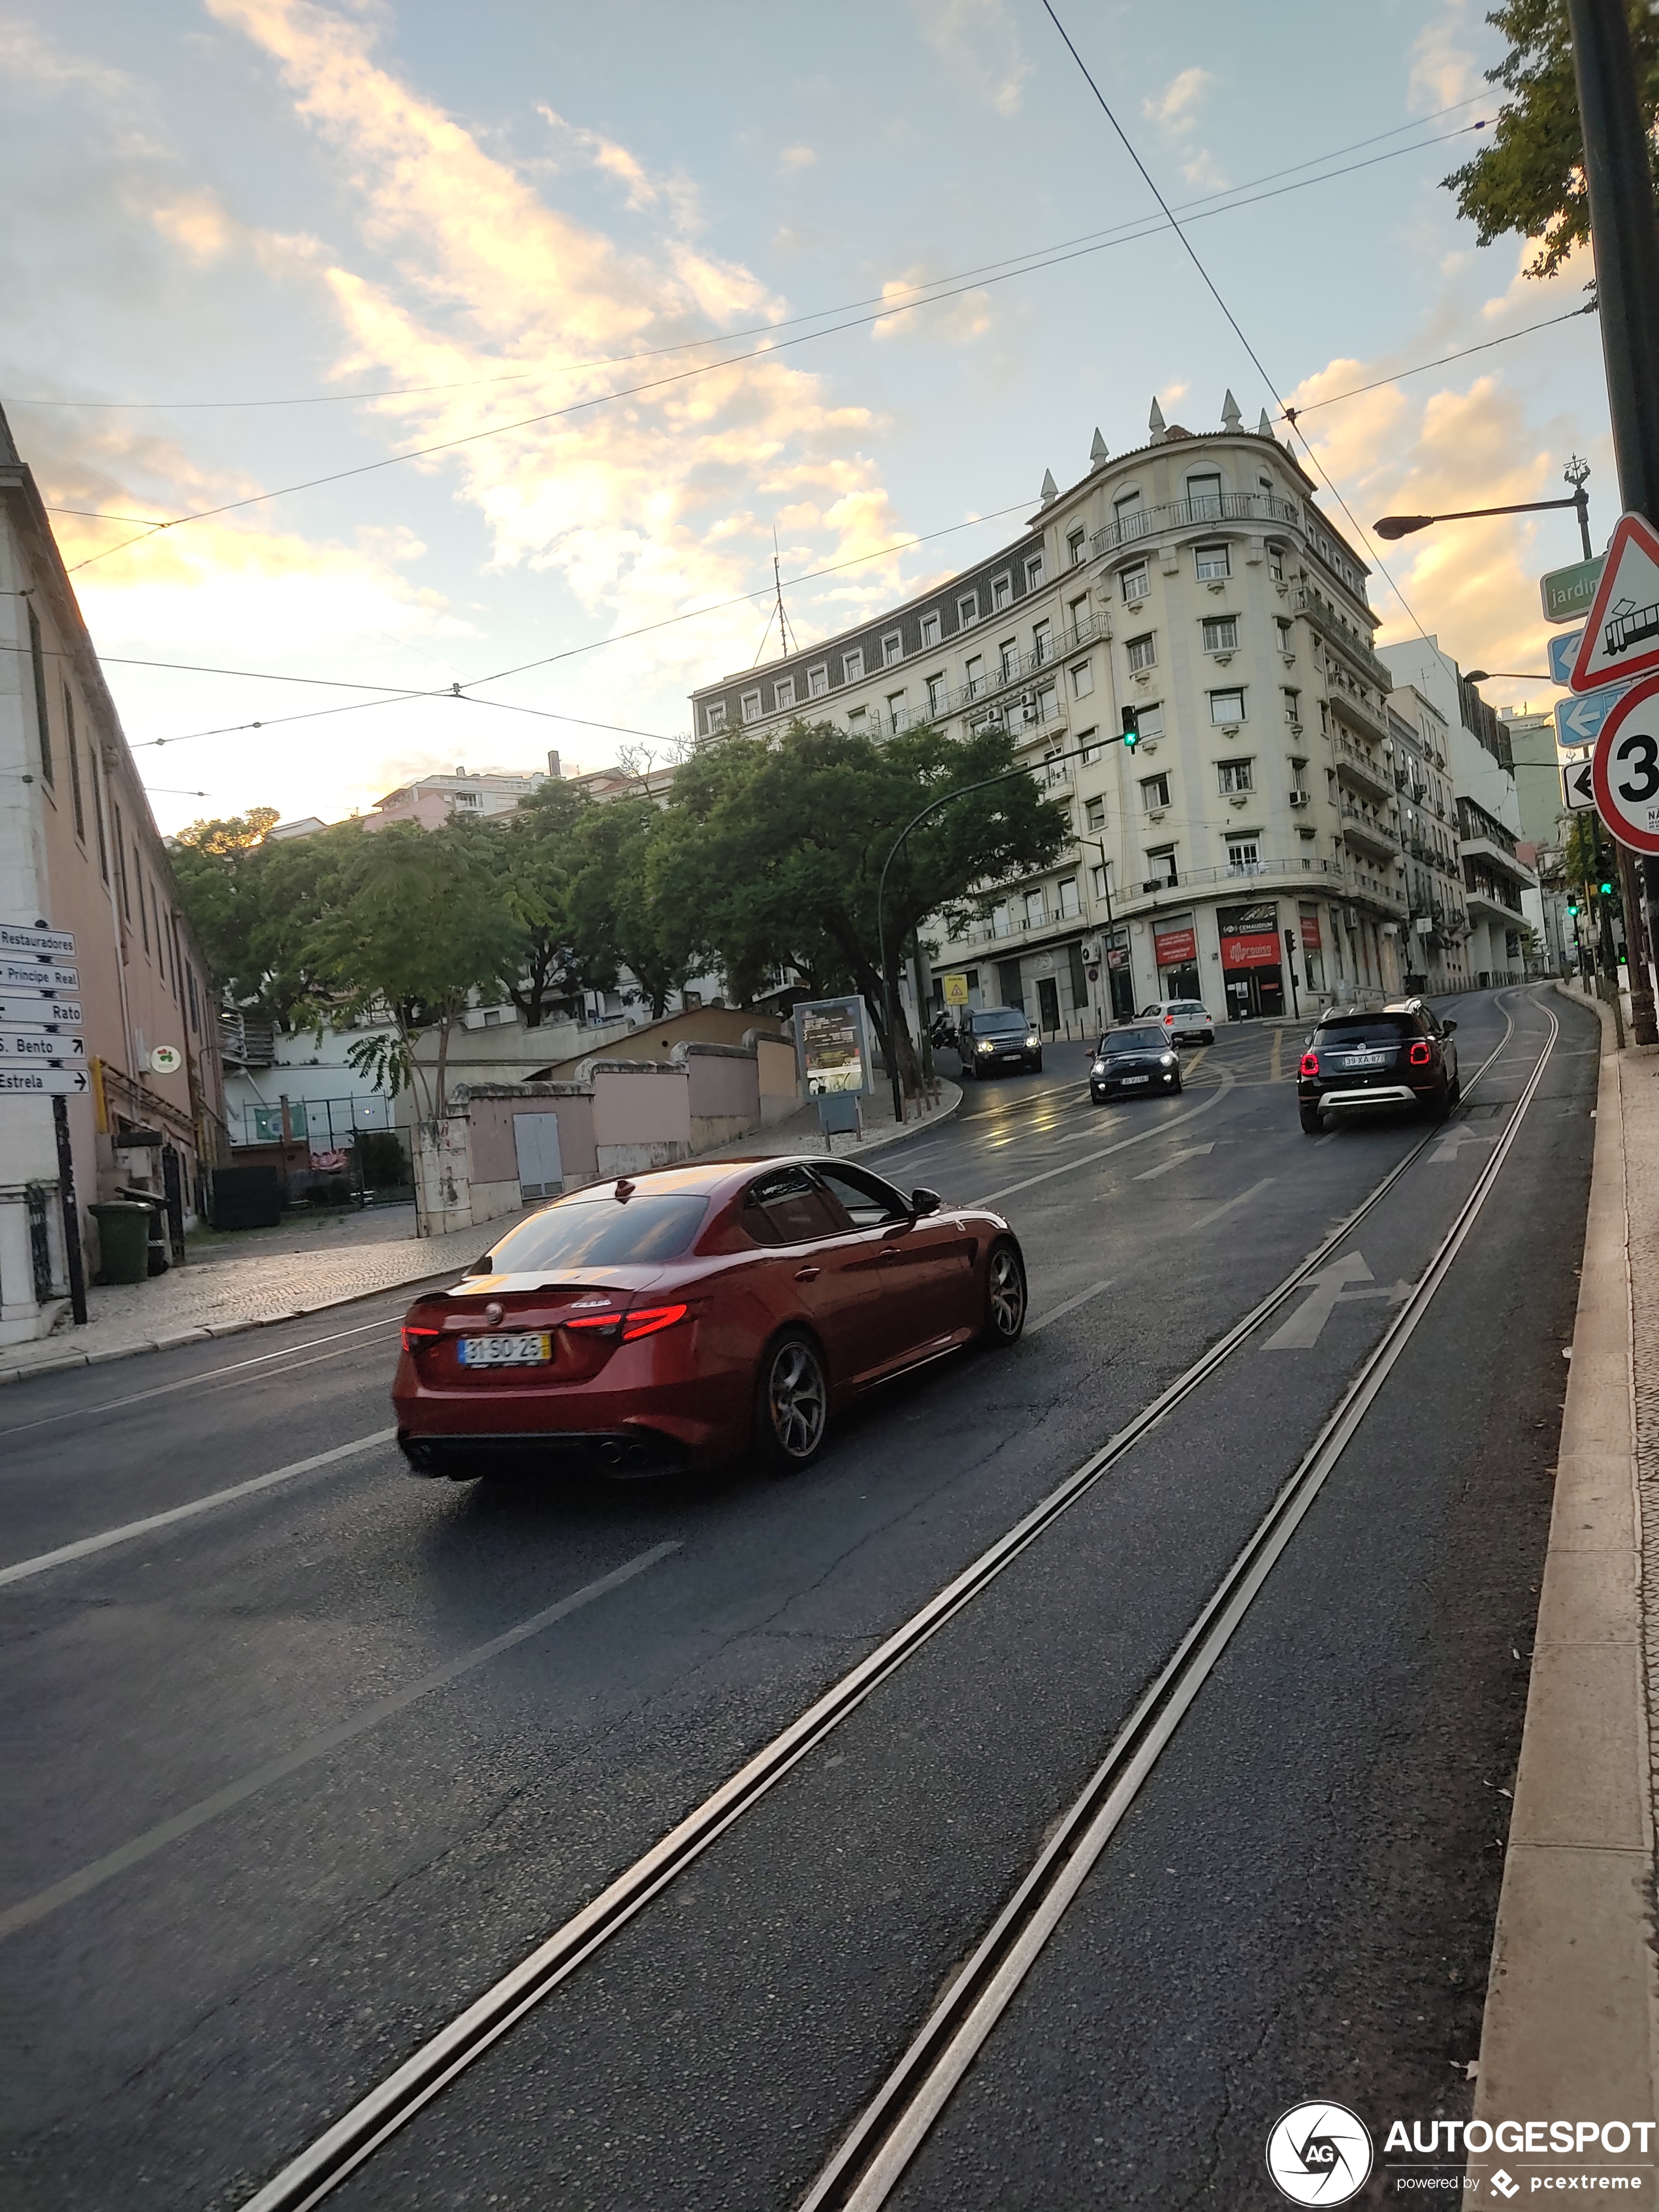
{"x":1187,"y":1020}
{"x":676,"y":1319}
{"x":1136,"y":1056}
{"x":1402,"y":1055}
{"x":989,"y":1038}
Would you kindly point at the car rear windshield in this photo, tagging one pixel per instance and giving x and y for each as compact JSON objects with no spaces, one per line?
{"x":599,"y":1232}
{"x":1384,"y":1029}
{"x":1134,"y":1041}
{"x":1000,"y":1018}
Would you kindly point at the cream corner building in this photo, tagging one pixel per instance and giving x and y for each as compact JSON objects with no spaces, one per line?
{"x":1248,"y":852}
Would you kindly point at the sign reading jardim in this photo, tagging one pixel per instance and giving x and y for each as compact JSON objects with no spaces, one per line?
{"x":1625,"y":773}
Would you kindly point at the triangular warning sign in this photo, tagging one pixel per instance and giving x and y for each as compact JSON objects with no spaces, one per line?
{"x":1622,"y":636}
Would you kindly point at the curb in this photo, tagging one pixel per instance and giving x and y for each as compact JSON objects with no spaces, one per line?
{"x":1569,"y":2021}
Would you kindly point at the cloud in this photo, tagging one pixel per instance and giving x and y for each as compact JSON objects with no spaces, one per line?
{"x":1176,"y":111}
{"x":958,"y":322}
{"x":978,"y":41}
{"x":1443,"y":71}
{"x":797,"y":157}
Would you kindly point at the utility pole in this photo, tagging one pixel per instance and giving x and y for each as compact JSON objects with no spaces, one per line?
{"x":1625,"y":235}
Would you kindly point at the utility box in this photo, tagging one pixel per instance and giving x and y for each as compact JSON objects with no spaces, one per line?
{"x":245,"y":1198}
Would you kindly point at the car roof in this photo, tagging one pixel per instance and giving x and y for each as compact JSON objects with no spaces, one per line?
{"x":690,"y":1178}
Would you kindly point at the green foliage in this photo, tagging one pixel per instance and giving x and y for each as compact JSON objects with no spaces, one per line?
{"x":253,"y":904}
{"x":537,"y":860}
{"x":1530,"y":178}
{"x":381,"y":1157}
{"x":615,"y":920}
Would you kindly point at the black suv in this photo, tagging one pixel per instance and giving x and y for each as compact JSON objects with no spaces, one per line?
{"x":1402,"y":1056}
{"x":995,"y":1037}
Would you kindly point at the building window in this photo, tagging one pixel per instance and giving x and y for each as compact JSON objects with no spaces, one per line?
{"x":1092,"y":750}
{"x":930,"y":629}
{"x":467,"y":799}
{"x":892,"y":649}
{"x":1243,"y":852}
{"x":1076,"y":545}
{"x":143,"y":923}
{"x":1293,"y":707}
{"x":852,"y":665}
{"x":1036,"y":911}
{"x":98,"y":816}
{"x":1101,"y":877}
{"x":1149,"y":719}
{"x":1042,"y":643}
{"x":1227,"y":706}
{"x":714,"y":715}
{"x":967,"y":609}
{"x":1276,"y":563}
{"x":1008,"y":660}
{"x":1154,"y":791}
{"x":1094,"y":814}
{"x":1126,"y":513}
{"x":1034,"y":573}
{"x":751,"y":706}
{"x":37,"y":655}
{"x":1221,"y":635}
{"x":938,"y":695}
{"x":786,"y":691}
{"x":1070,"y":903}
{"x":817,"y":683}
{"x":1284,"y":630}
{"x":121,"y":860}
{"x":858,"y":722}
{"x":1002,"y":591}
{"x":1083,"y":679}
{"x":1234,"y":776}
{"x":1212,"y":563}
{"x":195,"y":1003}
{"x":1142,"y":652}
{"x":75,"y":766}
{"x":896,"y":711}
{"x":1079,"y":610}
{"x":1204,"y":495}
{"x":1161,"y":863}
{"x":1002,"y":924}
{"x":1136,"y":584}
{"x":975,"y":675}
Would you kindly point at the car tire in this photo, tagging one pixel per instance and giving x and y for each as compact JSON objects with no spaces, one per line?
{"x":966,"y":1071}
{"x":1455,"y":1094}
{"x":1005,"y":1294}
{"x":1179,"y":1087}
{"x":1439,"y":1103}
{"x":1036,"y":1065}
{"x":1313,"y":1122}
{"x":792,"y":1404}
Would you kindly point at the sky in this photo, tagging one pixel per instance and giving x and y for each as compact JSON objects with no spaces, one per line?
{"x":672,"y":286}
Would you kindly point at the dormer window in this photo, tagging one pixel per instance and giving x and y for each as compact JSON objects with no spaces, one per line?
{"x":892,"y":649}
{"x":967,"y":608}
{"x":714,"y":715}
{"x":930,"y":629}
{"x":1002,"y":591}
{"x":751,"y":706}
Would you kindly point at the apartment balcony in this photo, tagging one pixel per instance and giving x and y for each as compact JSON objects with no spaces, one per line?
{"x":1494,"y":856}
{"x":1491,"y":898}
{"x":1347,"y":701}
{"x":1367,"y":835}
{"x":1359,"y":766}
{"x":1153,"y":522}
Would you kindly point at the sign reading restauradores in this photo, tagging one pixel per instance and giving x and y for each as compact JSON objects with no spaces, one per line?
{"x":58,"y":943}
{"x":832,"y":1043}
{"x":38,"y":975}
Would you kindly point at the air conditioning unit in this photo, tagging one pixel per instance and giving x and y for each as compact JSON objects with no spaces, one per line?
{"x":1300,"y":798}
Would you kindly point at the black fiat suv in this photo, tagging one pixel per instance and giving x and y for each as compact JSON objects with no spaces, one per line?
{"x":1401,"y":1056}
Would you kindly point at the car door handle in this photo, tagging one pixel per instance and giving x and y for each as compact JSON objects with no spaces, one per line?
{"x":807,"y":1274}
{"x":891,"y":1251}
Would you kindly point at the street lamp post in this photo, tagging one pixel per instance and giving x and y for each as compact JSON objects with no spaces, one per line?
{"x":1099,"y":845}
{"x":1402,"y":526}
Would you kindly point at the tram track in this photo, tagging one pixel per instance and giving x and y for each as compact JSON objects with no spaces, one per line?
{"x":903,"y":2103}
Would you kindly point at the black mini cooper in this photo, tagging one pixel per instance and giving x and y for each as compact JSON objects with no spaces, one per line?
{"x":1402,"y":1055}
{"x":1139,"y":1057}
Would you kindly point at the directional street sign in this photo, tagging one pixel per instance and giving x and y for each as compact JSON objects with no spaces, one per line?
{"x":1562,"y":651}
{"x":42,"y":1048}
{"x":1577,"y":787}
{"x":42,"y":1082}
{"x":1567,"y":593}
{"x":38,"y":975}
{"x":1625,"y":773}
{"x":58,"y":1013}
{"x":57,"y":942}
{"x":1578,"y":722}
{"x":1621,"y":637}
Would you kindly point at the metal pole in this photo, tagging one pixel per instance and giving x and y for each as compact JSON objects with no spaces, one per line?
{"x":1625,"y":235}
{"x":77,"y":1273}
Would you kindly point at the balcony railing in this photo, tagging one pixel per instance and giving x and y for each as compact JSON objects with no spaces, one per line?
{"x":1359,"y":762}
{"x":1191,"y":513}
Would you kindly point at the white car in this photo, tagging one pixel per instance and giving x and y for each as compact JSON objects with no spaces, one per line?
{"x":1189,"y":1021}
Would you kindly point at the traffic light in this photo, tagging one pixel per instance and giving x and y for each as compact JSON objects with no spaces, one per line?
{"x":1572,"y":908}
{"x":1605,"y":887}
{"x":1131,"y":728}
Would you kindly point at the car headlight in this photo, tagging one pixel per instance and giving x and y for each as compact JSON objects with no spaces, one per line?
{"x":1168,"y":1060}
{"x":1099,"y":1068}
{"x":985,"y":1045}
{"x":1032,"y":1042}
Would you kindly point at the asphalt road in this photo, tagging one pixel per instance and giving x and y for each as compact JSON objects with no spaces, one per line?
{"x":287,"y":1793}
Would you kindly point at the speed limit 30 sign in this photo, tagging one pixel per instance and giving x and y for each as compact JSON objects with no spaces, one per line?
{"x":1624,"y":775}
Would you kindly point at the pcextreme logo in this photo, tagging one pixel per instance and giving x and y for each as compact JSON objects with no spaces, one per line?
{"x":1319,"y":2154}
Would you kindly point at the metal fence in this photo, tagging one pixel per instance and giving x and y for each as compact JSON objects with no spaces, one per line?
{"x":328,"y":1125}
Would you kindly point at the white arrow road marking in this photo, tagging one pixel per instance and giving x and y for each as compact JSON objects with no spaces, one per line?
{"x":1453,"y":1142}
{"x":1192,"y":1152}
{"x":1326,"y":1291}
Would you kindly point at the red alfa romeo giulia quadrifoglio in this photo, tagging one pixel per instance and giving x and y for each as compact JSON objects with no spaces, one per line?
{"x":680,"y":1318}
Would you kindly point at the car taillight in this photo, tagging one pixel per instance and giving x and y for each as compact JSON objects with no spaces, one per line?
{"x":1168,"y":1021}
{"x":1309,"y":1063}
{"x":420,"y":1340}
{"x":605,"y":1323}
{"x":1421,"y":1054}
{"x":649,"y":1319}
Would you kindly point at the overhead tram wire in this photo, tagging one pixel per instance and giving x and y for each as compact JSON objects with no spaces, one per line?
{"x":1210,"y":286}
{"x":564,"y":369}
{"x":1294,"y":415}
{"x":899,"y":306}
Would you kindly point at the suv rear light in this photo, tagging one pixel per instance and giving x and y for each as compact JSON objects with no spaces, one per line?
{"x":1309,"y":1064}
{"x":649,"y":1319}
{"x":420,"y":1340}
{"x":1422,"y":1053}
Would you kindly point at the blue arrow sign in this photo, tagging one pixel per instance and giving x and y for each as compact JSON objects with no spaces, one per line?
{"x":1563,"y":650}
{"x":1578,"y":722}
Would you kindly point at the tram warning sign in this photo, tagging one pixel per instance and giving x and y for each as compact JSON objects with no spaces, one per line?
{"x":1621,"y":636}
{"x":1625,"y":773}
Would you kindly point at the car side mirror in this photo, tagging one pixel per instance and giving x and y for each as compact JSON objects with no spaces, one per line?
{"x":925,"y":1201}
{"x":1446,"y":1028}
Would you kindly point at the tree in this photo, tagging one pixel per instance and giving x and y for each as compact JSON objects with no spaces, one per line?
{"x":1530,"y":178}
{"x":616,"y":923}
{"x":254,"y":905}
{"x":416,"y":923}
{"x":774,"y":850}
{"x":538,"y":857}
{"x":214,"y":868}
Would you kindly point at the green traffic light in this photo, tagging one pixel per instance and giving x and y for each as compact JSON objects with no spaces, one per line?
{"x":1131,"y":728}
{"x":1605,"y":890}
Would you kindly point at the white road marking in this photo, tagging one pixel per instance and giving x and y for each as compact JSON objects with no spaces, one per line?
{"x":1216,"y":1212}
{"x":75,"y":1885}
{"x":1453,"y":1142}
{"x":87,"y":1545}
{"x":1192,"y":1152}
{"x":1329,"y":1290}
{"x":1087,"y":1159}
{"x":1070,"y":1306}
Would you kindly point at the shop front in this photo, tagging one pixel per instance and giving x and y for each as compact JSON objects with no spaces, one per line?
{"x":1252,"y":967}
{"x":1175,"y":948}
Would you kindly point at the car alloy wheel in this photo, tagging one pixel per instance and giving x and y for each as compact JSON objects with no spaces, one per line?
{"x":1005,"y":1296}
{"x":791,"y":1403}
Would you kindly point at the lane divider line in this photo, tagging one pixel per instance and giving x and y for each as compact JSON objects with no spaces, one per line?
{"x":341,"y":2149}
{"x":1142,"y":1137}
{"x":31,"y":1909}
{"x":1058,"y":1313}
{"x":25,"y":1569}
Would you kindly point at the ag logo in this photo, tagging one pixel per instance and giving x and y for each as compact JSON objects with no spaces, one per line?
{"x":1319,"y":2154}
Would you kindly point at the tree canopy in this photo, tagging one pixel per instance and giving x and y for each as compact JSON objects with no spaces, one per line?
{"x":1529,"y":179}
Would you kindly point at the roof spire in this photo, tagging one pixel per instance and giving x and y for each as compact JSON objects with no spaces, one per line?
{"x":1155,"y":421}
{"x":1230,"y":418}
{"x":1264,"y":428}
{"x":1097,"y":450}
{"x":1050,"y":489}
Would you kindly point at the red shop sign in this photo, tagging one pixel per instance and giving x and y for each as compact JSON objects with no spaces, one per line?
{"x":1310,"y":936}
{"x":1175,"y":947}
{"x":1250,"y":951}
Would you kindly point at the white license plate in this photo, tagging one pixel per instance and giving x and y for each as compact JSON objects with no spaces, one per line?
{"x":507,"y":1351}
{"x":1366,"y":1060}
{"x":1134,"y":1079}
